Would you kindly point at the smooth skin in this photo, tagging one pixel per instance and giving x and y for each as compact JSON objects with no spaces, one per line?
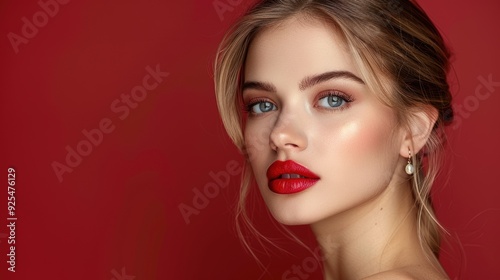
{"x":308,"y":102}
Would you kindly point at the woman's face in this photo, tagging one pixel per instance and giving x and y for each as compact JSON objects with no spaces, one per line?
{"x":308,"y":104}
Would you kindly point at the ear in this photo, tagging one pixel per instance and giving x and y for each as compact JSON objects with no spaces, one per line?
{"x":420,"y":125}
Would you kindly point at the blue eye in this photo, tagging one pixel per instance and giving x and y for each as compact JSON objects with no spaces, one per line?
{"x":262,"y":107}
{"x":332,"y":101}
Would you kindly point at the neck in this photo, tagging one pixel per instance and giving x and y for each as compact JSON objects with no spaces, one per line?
{"x":372,"y":238}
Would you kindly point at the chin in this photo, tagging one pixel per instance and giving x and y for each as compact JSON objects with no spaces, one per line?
{"x":296,"y":220}
{"x":293,"y":210}
{"x":292,"y":221}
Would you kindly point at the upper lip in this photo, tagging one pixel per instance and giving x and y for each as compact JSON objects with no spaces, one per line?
{"x":286,"y":168}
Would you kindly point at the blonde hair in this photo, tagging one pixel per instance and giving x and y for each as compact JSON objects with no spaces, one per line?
{"x":402,"y":56}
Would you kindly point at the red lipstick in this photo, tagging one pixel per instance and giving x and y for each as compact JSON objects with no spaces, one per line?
{"x":287,"y":177}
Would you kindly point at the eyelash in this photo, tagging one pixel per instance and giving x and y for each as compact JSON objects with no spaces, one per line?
{"x":346,"y":97}
{"x":248,"y":107}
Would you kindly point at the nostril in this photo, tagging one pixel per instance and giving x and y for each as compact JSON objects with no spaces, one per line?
{"x":292,"y":145}
{"x":273,"y":146}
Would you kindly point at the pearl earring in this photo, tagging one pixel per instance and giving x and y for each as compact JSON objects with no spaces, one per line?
{"x":409,"y":167}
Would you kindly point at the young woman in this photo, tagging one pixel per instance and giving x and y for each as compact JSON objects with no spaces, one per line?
{"x":339,"y":108}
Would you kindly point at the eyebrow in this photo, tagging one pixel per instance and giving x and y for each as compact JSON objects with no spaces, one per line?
{"x":264,"y":86}
{"x":307,"y":82}
{"x":310,"y":81}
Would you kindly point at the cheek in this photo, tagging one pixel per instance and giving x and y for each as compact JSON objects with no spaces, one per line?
{"x":363,"y":138}
{"x":256,"y":135}
{"x":359,"y":150}
{"x":256,"y":140}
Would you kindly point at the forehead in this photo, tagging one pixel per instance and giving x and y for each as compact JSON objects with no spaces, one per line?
{"x":295,"y":48}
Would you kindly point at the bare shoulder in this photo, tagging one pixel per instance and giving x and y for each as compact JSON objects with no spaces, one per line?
{"x":409,"y":273}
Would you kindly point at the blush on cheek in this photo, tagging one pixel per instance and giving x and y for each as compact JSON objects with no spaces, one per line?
{"x":362,"y":139}
{"x":373,"y":149}
{"x":361,"y":159}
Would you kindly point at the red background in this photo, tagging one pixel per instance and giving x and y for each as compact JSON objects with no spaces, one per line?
{"x":118,"y":208}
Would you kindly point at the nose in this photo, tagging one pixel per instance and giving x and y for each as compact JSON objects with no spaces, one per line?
{"x":288,"y":134}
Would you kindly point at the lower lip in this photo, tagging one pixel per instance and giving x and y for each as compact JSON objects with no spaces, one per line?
{"x":289,"y":186}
